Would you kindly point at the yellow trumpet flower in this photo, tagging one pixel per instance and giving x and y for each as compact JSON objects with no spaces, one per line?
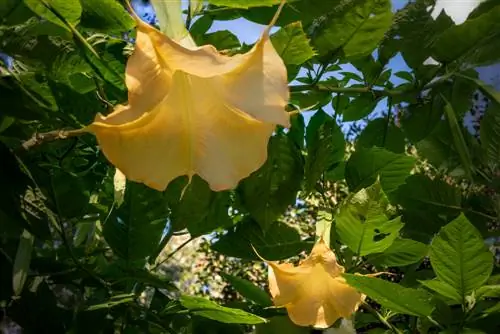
{"x":314,"y":292}
{"x":192,"y":110}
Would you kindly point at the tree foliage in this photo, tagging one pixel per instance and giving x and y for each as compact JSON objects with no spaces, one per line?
{"x":411,"y":192}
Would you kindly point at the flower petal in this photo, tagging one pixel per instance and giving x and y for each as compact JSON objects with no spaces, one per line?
{"x":313,"y":293}
{"x":192,"y":131}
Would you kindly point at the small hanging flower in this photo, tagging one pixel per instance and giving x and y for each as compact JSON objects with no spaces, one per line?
{"x":314,"y":292}
{"x":192,"y":110}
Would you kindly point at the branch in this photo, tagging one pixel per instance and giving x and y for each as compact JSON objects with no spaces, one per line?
{"x":44,"y":137}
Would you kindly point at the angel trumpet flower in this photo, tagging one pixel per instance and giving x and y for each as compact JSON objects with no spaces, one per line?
{"x":314,"y":292}
{"x":192,"y":110}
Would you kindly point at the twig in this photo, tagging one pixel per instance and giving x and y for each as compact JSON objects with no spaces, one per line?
{"x":173,"y":253}
{"x":381,"y":318}
{"x":44,"y":137}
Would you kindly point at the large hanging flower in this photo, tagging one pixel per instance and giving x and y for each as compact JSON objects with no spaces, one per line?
{"x":192,"y":110}
{"x":314,"y":292}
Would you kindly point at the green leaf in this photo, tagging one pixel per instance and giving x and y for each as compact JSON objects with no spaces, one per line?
{"x":281,"y":324}
{"x":401,"y":253}
{"x":325,"y":147}
{"x":71,"y":10}
{"x":359,"y":108}
{"x":200,"y":210}
{"x":458,"y":138}
{"x":362,"y":222}
{"x":472,"y":42}
{"x":460,"y":258}
{"x":222,"y":40}
{"x":451,"y":295}
{"x":292,"y":44}
{"x":106,"y":16}
{"x":22,"y":262}
{"x":490,"y":134}
{"x":205,"y":308}
{"x":365,"y":165}
{"x":393,"y":296}
{"x":268,"y":192}
{"x":488,"y":291}
{"x":112,"y":302}
{"x":279,"y":242}
{"x":356,"y":27}
{"x":244,"y":3}
{"x":486,"y":89}
{"x":382,"y":133}
{"x":421,"y":120}
{"x":404,"y":75}
{"x":248,"y":290}
{"x":421,"y":193}
{"x":133,"y":231}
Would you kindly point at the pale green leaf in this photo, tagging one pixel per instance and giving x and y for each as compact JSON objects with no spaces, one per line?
{"x":205,"y":308}
{"x":22,"y":261}
{"x":393,"y":296}
{"x":71,"y":10}
{"x":402,"y":252}
{"x":362,"y":223}
{"x":460,"y":258}
{"x":292,"y":44}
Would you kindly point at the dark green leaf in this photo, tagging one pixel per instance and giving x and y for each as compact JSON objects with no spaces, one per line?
{"x":490,"y":134}
{"x":325,"y":147}
{"x":457,"y":135}
{"x":205,"y":308}
{"x":292,"y":44}
{"x":365,"y":165}
{"x":359,"y":108}
{"x":459,"y":257}
{"x":472,"y":42}
{"x":279,"y":242}
{"x":222,"y":40}
{"x":134,"y":230}
{"x":382,"y":133}
{"x":267,"y":192}
{"x":112,"y":302}
{"x":248,"y":290}
{"x":392,"y":295}
{"x":106,"y":15}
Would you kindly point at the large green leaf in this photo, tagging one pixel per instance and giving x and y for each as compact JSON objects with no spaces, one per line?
{"x":356,"y":27}
{"x":200,"y":209}
{"x":362,"y":222}
{"x":134,"y":230}
{"x":359,"y":108}
{"x":106,"y":16}
{"x":457,"y":135}
{"x":365,"y":165}
{"x":292,"y":44}
{"x":244,"y":3}
{"x":71,"y":10}
{"x":208,"y":309}
{"x":421,"y":193}
{"x":460,"y":258}
{"x":279,"y":242}
{"x":393,"y":296}
{"x":402,"y":252}
{"x":473,"y":42}
{"x":421,"y":119}
{"x":382,"y":133}
{"x":268,"y":192}
{"x":325,"y":147}
{"x":22,"y":262}
{"x":248,"y":290}
{"x":490,"y":134}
